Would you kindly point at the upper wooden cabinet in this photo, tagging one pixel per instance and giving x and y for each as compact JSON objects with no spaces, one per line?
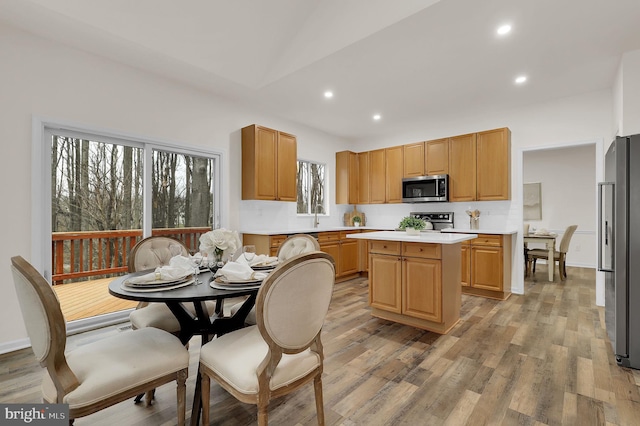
{"x":393,"y":174}
{"x":269,"y":164}
{"x":363,"y":178}
{"x":413,"y":159}
{"x":479,"y":166}
{"x":436,"y":157}
{"x":493,"y":160}
{"x":346,"y":177}
{"x":377,"y":181}
{"x":462,"y":168}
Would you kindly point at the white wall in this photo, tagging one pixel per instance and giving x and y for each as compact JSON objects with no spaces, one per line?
{"x":631,"y":93}
{"x":42,"y":78}
{"x":568,"y":197}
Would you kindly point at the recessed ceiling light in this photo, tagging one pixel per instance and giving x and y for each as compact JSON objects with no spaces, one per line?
{"x":377,"y":117}
{"x":328,"y":94}
{"x":521,"y":79}
{"x":504,"y":29}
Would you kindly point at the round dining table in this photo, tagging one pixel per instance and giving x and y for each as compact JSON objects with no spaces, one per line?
{"x":200,"y":323}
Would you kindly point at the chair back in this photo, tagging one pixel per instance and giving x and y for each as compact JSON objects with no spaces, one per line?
{"x":44,"y":321}
{"x":297,"y":244}
{"x":293,"y":301}
{"x":566,"y":238}
{"x":151,"y":252}
{"x":526,"y":229}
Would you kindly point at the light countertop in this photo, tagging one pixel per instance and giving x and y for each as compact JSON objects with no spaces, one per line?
{"x":483,"y":231}
{"x":424,"y":237}
{"x":283,"y":231}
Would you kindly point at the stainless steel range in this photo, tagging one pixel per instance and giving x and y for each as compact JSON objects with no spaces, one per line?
{"x":439,"y":220}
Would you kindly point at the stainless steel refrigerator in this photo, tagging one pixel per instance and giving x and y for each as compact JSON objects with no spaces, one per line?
{"x":619,"y":247}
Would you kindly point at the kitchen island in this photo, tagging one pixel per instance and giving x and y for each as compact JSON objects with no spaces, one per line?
{"x":415,"y":280}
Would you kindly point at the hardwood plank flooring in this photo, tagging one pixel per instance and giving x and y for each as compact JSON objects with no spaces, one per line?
{"x":542,"y":358}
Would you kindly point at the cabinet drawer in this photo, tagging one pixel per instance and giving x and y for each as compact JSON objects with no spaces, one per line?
{"x":325,"y":237}
{"x":276,"y":240}
{"x":487,"y":240}
{"x":423,"y":250}
{"x":343,"y":234}
{"x":385,"y":247}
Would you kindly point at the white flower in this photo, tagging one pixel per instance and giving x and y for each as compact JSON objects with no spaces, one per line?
{"x":219,"y":241}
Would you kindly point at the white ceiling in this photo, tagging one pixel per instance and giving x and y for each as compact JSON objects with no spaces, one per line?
{"x":409,"y":60}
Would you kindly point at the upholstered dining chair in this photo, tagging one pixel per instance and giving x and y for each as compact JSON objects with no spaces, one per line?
{"x":149,"y":253}
{"x":559,"y":254}
{"x":292,"y":246}
{"x":283,"y":351}
{"x":100,"y":374}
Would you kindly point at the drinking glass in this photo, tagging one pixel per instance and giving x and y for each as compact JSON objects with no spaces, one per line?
{"x":249,"y":252}
{"x":196,"y":260}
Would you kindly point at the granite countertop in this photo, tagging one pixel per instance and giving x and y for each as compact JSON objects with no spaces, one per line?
{"x":424,"y":237}
{"x":483,"y":231}
{"x":283,"y":231}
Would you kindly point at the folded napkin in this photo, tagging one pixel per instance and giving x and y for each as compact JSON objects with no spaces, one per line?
{"x":179,"y":267}
{"x":258,"y":260}
{"x":234,"y":271}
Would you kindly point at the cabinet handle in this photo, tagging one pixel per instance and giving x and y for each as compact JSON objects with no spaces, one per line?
{"x":420,"y":249}
{"x":384,"y":246}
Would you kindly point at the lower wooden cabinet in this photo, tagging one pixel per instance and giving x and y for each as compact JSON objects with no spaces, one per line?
{"x":415,"y":284}
{"x":486,"y":266}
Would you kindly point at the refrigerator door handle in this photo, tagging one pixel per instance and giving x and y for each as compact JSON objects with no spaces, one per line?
{"x":604,"y":223}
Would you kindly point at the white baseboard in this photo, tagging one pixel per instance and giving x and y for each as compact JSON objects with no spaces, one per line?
{"x":14,"y":345}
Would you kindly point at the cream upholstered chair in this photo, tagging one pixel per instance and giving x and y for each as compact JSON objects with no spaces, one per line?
{"x":102,"y":373}
{"x":559,"y":254}
{"x":149,"y":253}
{"x":283,"y":351}
{"x":292,"y":246}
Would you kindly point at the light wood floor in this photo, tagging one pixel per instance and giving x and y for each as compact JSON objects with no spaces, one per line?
{"x":541,"y":358}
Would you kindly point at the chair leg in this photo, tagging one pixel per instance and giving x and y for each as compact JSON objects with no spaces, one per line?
{"x":534,"y":265}
{"x":263,"y":413}
{"x":182,"y":396}
{"x":149,"y":397}
{"x":205,"y":392}
{"x":317,"y":386}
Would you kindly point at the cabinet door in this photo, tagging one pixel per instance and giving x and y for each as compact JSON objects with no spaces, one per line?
{"x":377,"y":176}
{"x":349,"y":257}
{"x":287,"y":167}
{"x":493,"y":159}
{"x":486,"y":268}
{"x":422,"y":288}
{"x":413,"y":159}
{"x":462,"y":168}
{"x":333,"y":249}
{"x":363,"y":178}
{"x":385,"y":286}
{"x":346,"y":177}
{"x":465,"y":261}
{"x":259,"y":151}
{"x":393,"y":175}
{"x":437,"y":157}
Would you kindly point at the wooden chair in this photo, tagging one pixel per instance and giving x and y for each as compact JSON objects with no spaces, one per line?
{"x":559,"y":255}
{"x":102,"y":373}
{"x":292,"y":246}
{"x":149,"y":253}
{"x":283,"y":351}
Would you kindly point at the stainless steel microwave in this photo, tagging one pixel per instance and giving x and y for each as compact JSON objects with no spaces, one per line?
{"x":425,"y":189}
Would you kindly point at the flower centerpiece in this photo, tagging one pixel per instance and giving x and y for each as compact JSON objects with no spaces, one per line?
{"x":219,"y":244}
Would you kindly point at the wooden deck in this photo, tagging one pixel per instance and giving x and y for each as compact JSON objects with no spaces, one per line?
{"x":89,"y":298}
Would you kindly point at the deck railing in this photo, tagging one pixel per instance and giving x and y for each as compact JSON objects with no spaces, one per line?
{"x":84,"y":254}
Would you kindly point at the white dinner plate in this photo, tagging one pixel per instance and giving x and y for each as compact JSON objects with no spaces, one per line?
{"x":232,"y":283}
{"x":221,"y":286}
{"x":147,"y":289}
{"x":157,"y":283}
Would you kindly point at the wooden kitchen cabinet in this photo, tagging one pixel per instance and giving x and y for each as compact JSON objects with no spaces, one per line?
{"x":363,"y":178}
{"x":377,"y":180}
{"x":493,"y":158}
{"x":269,"y":164}
{"x":437,"y":157}
{"x":462,"y":168}
{"x":413,"y":159}
{"x":415,"y":283}
{"x":393,"y":174}
{"x":343,"y":250}
{"x":486,"y":264}
{"x":264,"y":243}
{"x":347,"y":177}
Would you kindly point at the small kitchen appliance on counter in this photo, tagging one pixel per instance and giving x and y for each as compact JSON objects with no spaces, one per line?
{"x":439,"y":220}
